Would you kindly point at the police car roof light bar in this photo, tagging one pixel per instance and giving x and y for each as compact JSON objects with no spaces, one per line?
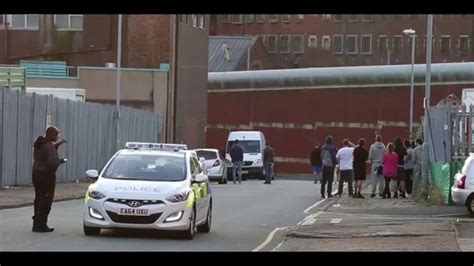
{"x":156,"y":146}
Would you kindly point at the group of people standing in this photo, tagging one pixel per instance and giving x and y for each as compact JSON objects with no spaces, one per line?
{"x":398,"y":164}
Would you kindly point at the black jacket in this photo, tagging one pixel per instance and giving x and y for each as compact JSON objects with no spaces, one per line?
{"x":268,"y":155}
{"x":236,"y":153}
{"x":45,"y":156}
{"x":316,"y":157}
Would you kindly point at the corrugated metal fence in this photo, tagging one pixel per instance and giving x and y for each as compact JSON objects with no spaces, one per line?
{"x":89,"y":128}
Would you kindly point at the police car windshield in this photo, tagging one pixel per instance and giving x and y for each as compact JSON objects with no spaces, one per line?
{"x":207,"y":155}
{"x":249,"y":146}
{"x":147,"y":168}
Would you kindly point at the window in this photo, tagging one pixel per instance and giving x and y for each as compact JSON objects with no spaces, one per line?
{"x":285,"y":18}
{"x":337,"y":46}
{"x":299,"y":18}
{"x":312,"y":41}
{"x":30,"y":21}
{"x":68,"y":22}
{"x":261,"y":18}
{"x":326,"y":43}
{"x":249,"y":18}
{"x":237,"y":19}
{"x":397,"y":44}
{"x":201,"y":21}
{"x":367,"y":18}
{"x":351,"y":44}
{"x":383,"y":44}
{"x":352,"y":18}
{"x":147,"y":168}
{"x":464,"y":43}
{"x":273,"y":18}
{"x":207,"y":155}
{"x":326,"y":17}
{"x":284,"y":44}
{"x":181,"y":18}
{"x":297,"y":43}
{"x":194,"y":20}
{"x":224,"y":18}
{"x":195,"y":167}
{"x":339,"y":18}
{"x":272,"y":44}
{"x":445,"y":44}
{"x":249,"y":146}
{"x":2,"y":20}
{"x":366,"y":44}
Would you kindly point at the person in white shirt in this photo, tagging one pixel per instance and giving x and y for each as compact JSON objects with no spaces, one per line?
{"x":346,"y":173}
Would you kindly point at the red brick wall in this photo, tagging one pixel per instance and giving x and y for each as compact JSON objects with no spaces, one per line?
{"x":306,"y":107}
{"x":148,"y":40}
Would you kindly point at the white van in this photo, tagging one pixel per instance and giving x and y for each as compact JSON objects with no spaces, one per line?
{"x":253,"y":144}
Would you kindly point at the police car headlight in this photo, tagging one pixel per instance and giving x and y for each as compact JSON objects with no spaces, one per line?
{"x":96,"y":194}
{"x":258,"y":162}
{"x":178,"y":197}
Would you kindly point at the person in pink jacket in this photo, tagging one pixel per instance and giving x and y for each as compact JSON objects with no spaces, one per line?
{"x":390,"y":164}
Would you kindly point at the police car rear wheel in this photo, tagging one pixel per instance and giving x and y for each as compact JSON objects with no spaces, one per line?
{"x":91,"y":231}
{"x":206,"y":228}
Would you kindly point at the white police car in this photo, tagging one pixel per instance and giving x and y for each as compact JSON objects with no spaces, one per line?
{"x":149,"y":185}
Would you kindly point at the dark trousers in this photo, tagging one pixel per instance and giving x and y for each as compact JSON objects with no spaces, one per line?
{"x":44,"y":183}
{"x":345,"y":175}
{"x":386,"y":190}
{"x":268,"y":172}
{"x":328,"y":177}
{"x":409,"y":180}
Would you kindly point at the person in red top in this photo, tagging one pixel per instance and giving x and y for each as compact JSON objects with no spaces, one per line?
{"x":390,"y":167}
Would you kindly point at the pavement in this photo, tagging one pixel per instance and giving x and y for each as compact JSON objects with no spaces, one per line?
{"x":21,"y":196}
{"x":375,"y":224}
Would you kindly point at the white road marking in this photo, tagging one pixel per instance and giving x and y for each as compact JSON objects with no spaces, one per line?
{"x":336,"y":220}
{"x":311,"y":220}
{"x":269,"y":238}
{"x":279,"y":245}
{"x":319,"y":202}
{"x":314,"y":205}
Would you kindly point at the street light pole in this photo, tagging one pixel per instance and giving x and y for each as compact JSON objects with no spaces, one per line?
{"x":412,"y":33}
{"x":426,"y":102}
{"x":119,"y":76}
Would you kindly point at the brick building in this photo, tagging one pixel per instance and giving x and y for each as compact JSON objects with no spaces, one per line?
{"x":346,"y":40}
{"x":147,"y":41}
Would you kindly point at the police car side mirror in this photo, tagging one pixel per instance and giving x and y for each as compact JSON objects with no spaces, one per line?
{"x":92,"y":174}
{"x":200,"y":178}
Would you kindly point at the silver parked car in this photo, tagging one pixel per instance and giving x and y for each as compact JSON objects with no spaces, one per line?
{"x":215,"y":165}
{"x":462,"y":191}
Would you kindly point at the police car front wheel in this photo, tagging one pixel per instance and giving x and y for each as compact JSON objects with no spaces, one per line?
{"x":91,"y":231}
{"x":189,"y":234}
{"x":206,"y":228}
